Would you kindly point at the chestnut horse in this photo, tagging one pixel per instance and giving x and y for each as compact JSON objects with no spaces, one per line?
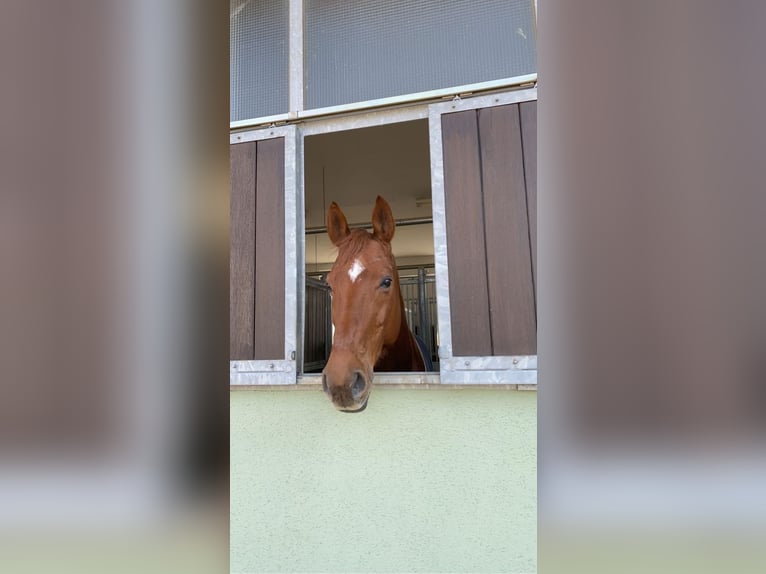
{"x":371,"y":331}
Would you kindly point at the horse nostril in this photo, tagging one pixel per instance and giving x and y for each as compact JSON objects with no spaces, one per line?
{"x":324,"y":382}
{"x":357,"y":387}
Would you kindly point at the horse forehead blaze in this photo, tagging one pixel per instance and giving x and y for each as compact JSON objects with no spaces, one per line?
{"x":361,"y":253}
{"x":355,"y":270}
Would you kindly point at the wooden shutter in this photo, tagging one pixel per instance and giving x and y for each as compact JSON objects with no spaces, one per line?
{"x":489,"y":158}
{"x":257,"y":256}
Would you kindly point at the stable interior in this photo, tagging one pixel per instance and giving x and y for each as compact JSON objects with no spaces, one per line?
{"x":352,"y":168}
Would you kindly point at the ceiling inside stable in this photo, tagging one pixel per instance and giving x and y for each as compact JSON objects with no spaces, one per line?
{"x":353,"y":167}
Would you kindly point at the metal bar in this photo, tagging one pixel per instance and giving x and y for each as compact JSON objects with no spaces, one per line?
{"x":440,"y":234}
{"x":317,"y":315}
{"x":399,"y":223}
{"x":313,"y":282}
{"x":422,"y":302}
{"x":328,"y":327}
{"x":383,"y":379}
{"x":300,"y":246}
{"x":292,"y":289}
{"x":517,"y":81}
{"x":259,"y":122}
{"x":415,"y":111}
{"x":432,"y":321}
{"x":429,"y":278}
{"x":496,"y":363}
{"x":484,"y":101}
{"x":263,"y":133}
{"x":366,"y":119}
{"x":502,"y":377}
{"x":463,"y":90}
{"x":409,"y":267}
{"x":261,"y":372}
{"x":296,"y":57}
{"x":260,"y":379}
{"x":426,"y":381}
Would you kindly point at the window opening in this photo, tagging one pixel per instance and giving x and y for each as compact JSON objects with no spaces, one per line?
{"x":352,"y":168}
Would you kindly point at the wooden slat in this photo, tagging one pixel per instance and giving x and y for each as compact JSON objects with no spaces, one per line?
{"x":469,"y":305}
{"x":509,"y":261}
{"x":242,"y":254}
{"x":528,"y":111}
{"x":270,"y":250}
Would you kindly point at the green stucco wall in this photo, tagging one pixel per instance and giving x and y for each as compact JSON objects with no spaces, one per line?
{"x":424,"y":480}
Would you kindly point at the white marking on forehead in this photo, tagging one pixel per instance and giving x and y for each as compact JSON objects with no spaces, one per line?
{"x":356,"y":270}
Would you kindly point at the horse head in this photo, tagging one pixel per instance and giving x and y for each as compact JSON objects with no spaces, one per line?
{"x":367,"y":306}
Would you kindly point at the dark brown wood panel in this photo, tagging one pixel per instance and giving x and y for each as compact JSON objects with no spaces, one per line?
{"x":469,"y":305}
{"x":242,"y":251}
{"x":509,"y":261}
{"x":528,"y":112}
{"x":270,"y":250}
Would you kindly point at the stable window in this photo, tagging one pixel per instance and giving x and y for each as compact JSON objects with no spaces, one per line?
{"x":461,"y":178}
{"x":352,"y":167}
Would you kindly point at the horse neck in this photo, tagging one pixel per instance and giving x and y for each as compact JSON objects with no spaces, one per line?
{"x":403,"y":354}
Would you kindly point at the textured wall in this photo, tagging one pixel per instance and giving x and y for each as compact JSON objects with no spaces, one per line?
{"x":422,"y":481}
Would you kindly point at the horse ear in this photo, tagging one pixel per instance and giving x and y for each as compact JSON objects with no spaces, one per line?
{"x":337,"y":226}
{"x":383,"y":220}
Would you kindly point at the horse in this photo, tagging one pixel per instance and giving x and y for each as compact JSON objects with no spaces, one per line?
{"x":371,"y":332}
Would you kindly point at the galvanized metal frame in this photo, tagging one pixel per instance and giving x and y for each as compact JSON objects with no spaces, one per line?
{"x":520,"y":369}
{"x":409,"y":381}
{"x":519,"y":372}
{"x":282,"y":371}
{"x":295,"y":49}
{"x":300,"y":247}
{"x":322,"y":126}
{"x":365,"y":119}
{"x":301,"y":114}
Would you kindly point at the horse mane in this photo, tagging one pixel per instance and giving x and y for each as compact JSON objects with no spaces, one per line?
{"x":355,"y":242}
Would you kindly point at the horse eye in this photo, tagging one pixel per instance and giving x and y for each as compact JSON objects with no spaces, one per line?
{"x":386,"y":283}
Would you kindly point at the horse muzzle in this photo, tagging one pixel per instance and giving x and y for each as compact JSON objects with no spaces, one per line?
{"x":349,"y":391}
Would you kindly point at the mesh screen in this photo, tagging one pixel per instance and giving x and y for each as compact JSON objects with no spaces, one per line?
{"x":366,"y":49}
{"x":258,"y":58}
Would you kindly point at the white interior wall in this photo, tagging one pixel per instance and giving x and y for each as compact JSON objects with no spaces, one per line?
{"x":352,"y":168}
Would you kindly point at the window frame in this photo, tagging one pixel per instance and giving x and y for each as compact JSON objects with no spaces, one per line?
{"x":519,"y":371}
{"x":335,"y":124}
{"x":279,"y":371}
